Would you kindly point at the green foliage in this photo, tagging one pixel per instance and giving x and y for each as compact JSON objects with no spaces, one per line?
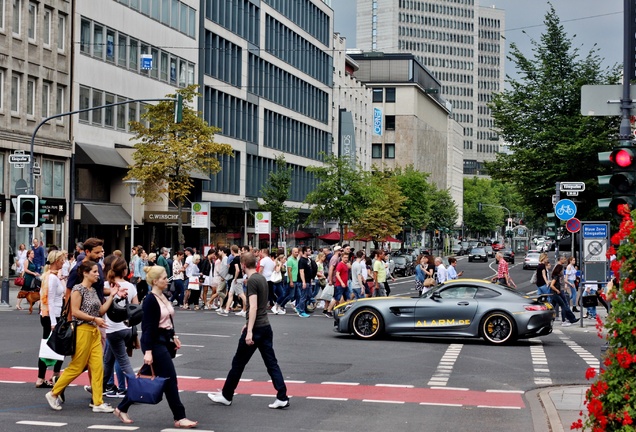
{"x":416,"y":210}
{"x":610,"y":398}
{"x":167,"y":153}
{"x":381,"y":217}
{"x":539,"y":117}
{"x":342,"y":191}
{"x":276,"y":191}
{"x":477,"y":190}
{"x":443,"y":210}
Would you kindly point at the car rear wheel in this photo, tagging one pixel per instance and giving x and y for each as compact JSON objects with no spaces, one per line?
{"x":497,"y":328}
{"x":367,"y":323}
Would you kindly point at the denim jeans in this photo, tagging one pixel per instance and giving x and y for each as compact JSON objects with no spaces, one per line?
{"x":263,"y":338}
{"x":301,"y":296}
{"x":543,"y":289}
{"x":559,"y":302}
{"x":357,"y":293}
{"x":115,"y":350}
{"x":178,"y":291}
{"x":284,"y":295}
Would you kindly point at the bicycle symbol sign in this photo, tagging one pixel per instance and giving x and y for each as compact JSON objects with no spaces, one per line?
{"x":565,"y":209}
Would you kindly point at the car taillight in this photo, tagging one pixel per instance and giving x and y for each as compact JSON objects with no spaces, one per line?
{"x":536,"y":307}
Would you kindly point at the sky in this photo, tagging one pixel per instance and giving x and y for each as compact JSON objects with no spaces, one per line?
{"x":591,"y":21}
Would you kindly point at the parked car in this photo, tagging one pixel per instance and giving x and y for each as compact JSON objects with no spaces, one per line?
{"x":401,"y":266}
{"x":531,"y":261}
{"x":477,"y":254}
{"x":490,"y":251}
{"x":508,"y":255}
{"x":458,"y":250}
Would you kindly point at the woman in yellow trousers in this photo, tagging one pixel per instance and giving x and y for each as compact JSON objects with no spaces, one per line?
{"x":87,"y":309}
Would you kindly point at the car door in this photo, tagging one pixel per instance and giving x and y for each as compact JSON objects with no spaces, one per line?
{"x":449,"y":307}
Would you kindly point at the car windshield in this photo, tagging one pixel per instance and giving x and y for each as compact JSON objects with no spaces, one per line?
{"x":399,"y":260}
{"x":533,"y":256}
{"x":488,"y":248}
{"x":476,"y":251}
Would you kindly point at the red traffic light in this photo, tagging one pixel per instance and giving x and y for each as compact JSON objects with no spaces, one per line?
{"x":624,"y":158}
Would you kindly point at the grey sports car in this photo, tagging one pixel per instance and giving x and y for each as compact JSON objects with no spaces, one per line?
{"x":458,"y":308}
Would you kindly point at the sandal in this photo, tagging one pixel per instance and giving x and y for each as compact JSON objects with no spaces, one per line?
{"x":18,"y":307}
{"x":122,"y":416}
{"x":44,"y":384}
{"x":185,"y":424}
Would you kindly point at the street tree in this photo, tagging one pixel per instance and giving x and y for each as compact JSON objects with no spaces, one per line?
{"x":167,"y":153}
{"x":276,"y":191}
{"x":539,"y":117}
{"x":341,"y":192}
{"x":382,"y":216}
{"x":444,"y":212}
{"x":490,"y":216}
{"x":416,"y":209}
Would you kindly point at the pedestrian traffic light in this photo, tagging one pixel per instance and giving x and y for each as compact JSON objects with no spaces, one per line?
{"x":622,"y":181}
{"x":27,"y":211}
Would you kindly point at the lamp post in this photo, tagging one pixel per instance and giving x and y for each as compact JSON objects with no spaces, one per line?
{"x":132,"y":190}
{"x":246,"y":208}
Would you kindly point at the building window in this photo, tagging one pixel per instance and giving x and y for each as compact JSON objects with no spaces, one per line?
{"x":30,"y":101}
{"x":390,"y":94}
{"x":15,"y":93}
{"x":84,"y":103}
{"x":133,"y":55}
{"x":46,"y":95}
{"x":121,"y":114}
{"x":61,"y":32}
{"x":33,"y":13}
{"x":1,"y":85}
{"x":1,"y":14}
{"x":98,"y":97}
{"x":389,"y":151}
{"x":122,"y":54}
{"x":109,"y":112}
{"x":46,"y":28}
{"x":17,"y":17}
{"x":98,"y":41}
{"x":85,"y":37}
{"x":378,"y":95}
{"x":110,"y":45}
{"x":52,"y":178}
{"x":376,"y":151}
{"x":389,"y":122}
{"x":59,"y":102}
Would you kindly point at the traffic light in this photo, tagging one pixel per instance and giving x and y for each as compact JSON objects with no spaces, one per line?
{"x":42,"y":212}
{"x":28,"y":211}
{"x":551,"y":224}
{"x":178,"y":108}
{"x":622,"y":181}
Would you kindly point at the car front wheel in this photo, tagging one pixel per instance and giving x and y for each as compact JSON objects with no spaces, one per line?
{"x":367,"y":323}
{"x":497,"y":328}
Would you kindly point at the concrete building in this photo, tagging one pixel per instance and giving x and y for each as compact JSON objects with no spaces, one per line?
{"x":461,"y":43}
{"x":35,"y":83}
{"x":412,"y":122}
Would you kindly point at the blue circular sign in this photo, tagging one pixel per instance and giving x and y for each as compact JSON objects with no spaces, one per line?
{"x":565,"y":209}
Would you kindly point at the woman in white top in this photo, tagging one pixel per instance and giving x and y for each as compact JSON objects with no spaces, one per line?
{"x":51,"y":298}
{"x":118,"y":334}
{"x":570,"y":280}
{"x":20,"y":258}
{"x":177,"y":277}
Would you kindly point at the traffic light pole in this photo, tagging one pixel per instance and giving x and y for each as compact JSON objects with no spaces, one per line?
{"x":557,"y":224}
{"x":628,"y":69}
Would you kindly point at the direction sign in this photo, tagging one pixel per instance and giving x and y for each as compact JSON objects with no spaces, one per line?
{"x":572,"y":186}
{"x":573,"y":225}
{"x":603,"y":100}
{"x":565,"y":209}
{"x":19,"y":158}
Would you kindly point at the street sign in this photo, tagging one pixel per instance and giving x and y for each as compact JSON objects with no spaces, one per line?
{"x":19,"y":158}
{"x":573,"y":225}
{"x":603,"y":100}
{"x":565,"y":209}
{"x":572,"y":186}
{"x":36,"y":170}
{"x":595,"y":231}
{"x":200,"y":215}
{"x":262,"y":222}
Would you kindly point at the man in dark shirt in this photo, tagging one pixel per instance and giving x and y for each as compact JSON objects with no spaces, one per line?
{"x":94,"y":251}
{"x":304,"y":276}
{"x":39,"y":257}
{"x":256,"y":334}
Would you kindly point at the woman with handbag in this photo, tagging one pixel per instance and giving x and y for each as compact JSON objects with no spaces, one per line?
{"x":29,"y":276}
{"x":159,"y":345}
{"x":51,"y":299}
{"x":86,"y":309}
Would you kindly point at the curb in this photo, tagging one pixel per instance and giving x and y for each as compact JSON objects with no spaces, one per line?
{"x":545,"y":414}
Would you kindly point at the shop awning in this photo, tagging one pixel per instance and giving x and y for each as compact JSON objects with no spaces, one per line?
{"x":333,"y":236}
{"x":86,"y":154}
{"x":104,"y":214}
{"x":300,"y":235}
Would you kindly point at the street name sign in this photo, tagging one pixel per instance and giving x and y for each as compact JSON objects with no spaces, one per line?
{"x":572,"y":187}
{"x":19,"y":158}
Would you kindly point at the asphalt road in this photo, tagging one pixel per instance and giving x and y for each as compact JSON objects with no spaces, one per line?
{"x":336,"y":383}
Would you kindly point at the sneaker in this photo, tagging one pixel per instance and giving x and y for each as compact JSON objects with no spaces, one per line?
{"x":303,"y":315}
{"x":54,"y":402}
{"x":576,"y":320}
{"x":566,"y":324}
{"x":279,"y":404}
{"x":222,"y":312}
{"x":327,"y":314}
{"x":103,"y":408}
{"x":281,"y":311}
{"x":241,"y":313}
{"x":218,"y":398}
{"x":107,"y":389}
{"x":116,"y":393}
{"x":575,"y":309}
{"x":212,"y":307}
{"x":88,"y":389}
{"x":174,"y":302}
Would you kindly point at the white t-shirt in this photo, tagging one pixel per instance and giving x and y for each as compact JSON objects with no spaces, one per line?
{"x":267,"y":267}
{"x":57,"y":290}
{"x":356,"y":270}
{"x":132,"y":293}
{"x":190,"y":266}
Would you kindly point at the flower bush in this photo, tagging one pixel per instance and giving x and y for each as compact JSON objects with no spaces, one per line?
{"x":610,"y":398}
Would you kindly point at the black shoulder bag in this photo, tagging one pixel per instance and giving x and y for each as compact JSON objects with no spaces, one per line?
{"x":62,"y":339}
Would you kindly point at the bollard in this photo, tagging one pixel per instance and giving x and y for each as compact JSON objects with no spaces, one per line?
{"x":5,"y":293}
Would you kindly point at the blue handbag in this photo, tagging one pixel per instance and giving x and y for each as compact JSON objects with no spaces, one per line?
{"x":146,"y":389}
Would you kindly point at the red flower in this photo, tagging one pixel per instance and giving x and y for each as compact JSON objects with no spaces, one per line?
{"x":590,"y":373}
{"x":577,"y":424}
{"x":629,"y":286}
{"x":627,"y":420}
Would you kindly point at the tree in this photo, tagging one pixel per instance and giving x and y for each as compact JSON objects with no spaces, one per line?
{"x":382,"y":216}
{"x":444,"y":212}
{"x":487,"y":219}
{"x":341,"y":193}
{"x":416,"y":210}
{"x":539,"y":117}
{"x":167,"y":153}
{"x":276,"y":191}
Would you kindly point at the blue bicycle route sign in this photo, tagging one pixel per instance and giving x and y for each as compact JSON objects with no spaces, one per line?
{"x":565,"y":209}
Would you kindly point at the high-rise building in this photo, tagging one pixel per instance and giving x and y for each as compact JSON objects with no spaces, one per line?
{"x":461,"y":43}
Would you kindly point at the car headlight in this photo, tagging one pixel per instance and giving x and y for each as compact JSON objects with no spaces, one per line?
{"x":343,"y":308}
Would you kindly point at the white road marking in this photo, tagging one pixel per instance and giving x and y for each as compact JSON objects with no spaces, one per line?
{"x":113,"y":427}
{"x":383,"y":401}
{"x":24,"y":367}
{"x":290,"y":382}
{"x":187,"y":377}
{"x":192,"y":346}
{"x":450,"y":388}
{"x":498,"y":407}
{"x":591,"y":360}
{"x":327,"y":398}
{"x":40,"y":423}
{"x":339,"y":383}
{"x":395,"y":385}
{"x":539,"y":361}
{"x":445,"y":366}
{"x":203,"y":335}
{"x":440,"y":404}
{"x":505,"y":391}
{"x":12,"y":382}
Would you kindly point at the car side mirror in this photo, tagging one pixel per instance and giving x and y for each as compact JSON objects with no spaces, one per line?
{"x":436,"y":294}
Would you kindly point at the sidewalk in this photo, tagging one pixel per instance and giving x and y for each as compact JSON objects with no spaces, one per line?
{"x":556,"y":408}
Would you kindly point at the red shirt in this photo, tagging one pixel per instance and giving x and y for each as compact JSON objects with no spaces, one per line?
{"x":502,"y":269}
{"x":343,"y":270}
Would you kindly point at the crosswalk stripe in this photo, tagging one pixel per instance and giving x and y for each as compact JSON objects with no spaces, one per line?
{"x":445,"y":366}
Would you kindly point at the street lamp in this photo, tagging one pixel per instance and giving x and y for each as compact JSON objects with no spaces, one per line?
{"x":132,"y":190}
{"x":246,"y":208}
